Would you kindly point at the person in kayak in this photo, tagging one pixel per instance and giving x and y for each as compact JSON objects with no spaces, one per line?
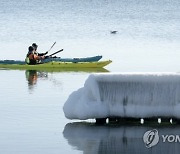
{"x":33,"y":57}
{"x":35,"y":46}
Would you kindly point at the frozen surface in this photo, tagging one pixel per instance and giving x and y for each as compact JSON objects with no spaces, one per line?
{"x":126,"y":95}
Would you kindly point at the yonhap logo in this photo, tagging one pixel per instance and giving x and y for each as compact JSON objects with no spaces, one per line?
{"x":151,"y":138}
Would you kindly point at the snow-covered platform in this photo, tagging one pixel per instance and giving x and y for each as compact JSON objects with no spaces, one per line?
{"x":126,"y":95}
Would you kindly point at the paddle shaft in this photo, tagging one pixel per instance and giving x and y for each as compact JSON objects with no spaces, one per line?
{"x":55,"y":52}
{"x":51,"y":46}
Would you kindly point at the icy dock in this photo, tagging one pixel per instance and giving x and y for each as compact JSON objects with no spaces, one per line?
{"x":120,"y":96}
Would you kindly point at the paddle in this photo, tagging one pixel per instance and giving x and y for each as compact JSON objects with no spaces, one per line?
{"x":51,"y":46}
{"x":55,"y":52}
{"x":50,"y":56}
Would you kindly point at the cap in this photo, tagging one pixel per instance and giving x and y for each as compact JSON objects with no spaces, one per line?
{"x":34,"y":45}
{"x":30,"y":48}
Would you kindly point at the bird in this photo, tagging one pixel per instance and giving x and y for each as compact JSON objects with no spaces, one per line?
{"x":113,"y":32}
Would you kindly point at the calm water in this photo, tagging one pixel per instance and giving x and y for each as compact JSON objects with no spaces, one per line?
{"x":31,"y":115}
{"x":147,"y":39}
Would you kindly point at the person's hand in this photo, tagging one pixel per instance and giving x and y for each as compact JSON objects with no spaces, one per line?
{"x":45,"y":57}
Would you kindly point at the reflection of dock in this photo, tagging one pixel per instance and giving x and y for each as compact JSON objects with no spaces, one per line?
{"x":109,"y":139}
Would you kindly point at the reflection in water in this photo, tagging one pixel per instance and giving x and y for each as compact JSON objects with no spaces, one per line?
{"x":81,"y":69}
{"x":32,"y":76}
{"x":109,"y":139}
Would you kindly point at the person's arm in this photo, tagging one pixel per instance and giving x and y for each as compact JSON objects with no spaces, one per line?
{"x":42,"y":54}
{"x":37,"y":57}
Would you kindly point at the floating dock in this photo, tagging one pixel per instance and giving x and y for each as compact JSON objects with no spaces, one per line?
{"x":126,"y":96}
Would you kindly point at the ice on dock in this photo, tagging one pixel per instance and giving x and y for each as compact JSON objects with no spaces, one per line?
{"x":137,"y":95}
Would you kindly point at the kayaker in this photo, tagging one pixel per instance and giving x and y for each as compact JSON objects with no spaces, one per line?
{"x":32,"y":57}
{"x":35,"y":46}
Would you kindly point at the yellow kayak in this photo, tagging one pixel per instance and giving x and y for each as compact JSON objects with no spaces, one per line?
{"x":58,"y":65}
